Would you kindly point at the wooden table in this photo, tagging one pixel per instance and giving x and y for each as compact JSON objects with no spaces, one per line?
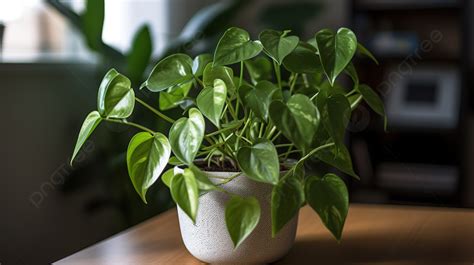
{"x":373,"y":235}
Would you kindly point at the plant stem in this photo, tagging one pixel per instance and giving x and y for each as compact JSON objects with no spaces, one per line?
{"x":293,"y":82}
{"x":136,"y":125}
{"x":277,"y":73}
{"x":351,"y":92}
{"x":161,"y":115}
{"x":229,"y":179}
{"x":283,"y":145}
{"x":241,"y":73}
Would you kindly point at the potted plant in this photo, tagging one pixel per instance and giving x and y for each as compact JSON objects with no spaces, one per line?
{"x":237,"y":155}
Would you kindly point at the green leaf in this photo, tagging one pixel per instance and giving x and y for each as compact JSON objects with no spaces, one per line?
{"x":260,"y":161}
{"x":287,"y":198}
{"x":93,"y":22}
{"x":352,"y":72}
{"x":89,"y":125}
{"x":277,"y":44}
{"x":186,"y":136}
{"x":224,"y":73}
{"x":335,"y":50}
{"x":200,"y":63}
{"x":140,"y":53}
{"x":175,"y":96}
{"x":185,"y":192}
{"x":211,"y":101}
{"x":173,"y":70}
{"x":204,"y":183}
{"x":373,"y":100}
{"x":259,"y":69}
{"x":241,"y":216}
{"x":235,"y":46}
{"x":362,"y":50}
{"x":337,"y":156}
{"x":258,"y":98}
{"x":328,"y":196}
{"x":354,"y":100}
{"x":336,"y":113}
{"x":303,"y":59}
{"x":298,"y":120}
{"x":169,"y":174}
{"x":115,"y":98}
{"x":147,"y":156}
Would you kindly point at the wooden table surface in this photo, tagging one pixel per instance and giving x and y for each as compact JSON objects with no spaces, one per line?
{"x":372,"y":235}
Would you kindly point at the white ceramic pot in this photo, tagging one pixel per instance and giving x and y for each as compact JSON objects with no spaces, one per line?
{"x":209,"y":241}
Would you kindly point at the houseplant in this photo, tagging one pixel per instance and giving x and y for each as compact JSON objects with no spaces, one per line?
{"x":230,"y":151}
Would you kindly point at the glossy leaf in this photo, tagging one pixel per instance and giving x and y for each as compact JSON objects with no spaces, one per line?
{"x":277,"y":44}
{"x":287,"y":198}
{"x":336,"y":156}
{"x":186,"y":136}
{"x":303,"y":59}
{"x":147,"y":156}
{"x":328,"y":196}
{"x":115,"y":98}
{"x":200,"y":62}
{"x":204,"y":183}
{"x":373,"y":100}
{"x":185,"y":192}
{"x":90,"y":123}
{"x":259,"y":69}
{"x":298,"y":120}
{"x":140,"y":53}
{"x":174,"y":97}
{"x":173,"y":70}
{"x":335,"y":50}
{"x":352,"y":72}
{"x":211,"y":101}
{"x":235,"y":46}
{"x":362,"y":50}
{"x":258,"y":98}
{"x":224,"y":73}
{"x":242,"y":216}
{"x":93,"y":22}
{"x":260,"y":162}
{"x":169,"y":174}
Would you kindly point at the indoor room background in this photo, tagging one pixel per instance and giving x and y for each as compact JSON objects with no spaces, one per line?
{"x":50,"y":74}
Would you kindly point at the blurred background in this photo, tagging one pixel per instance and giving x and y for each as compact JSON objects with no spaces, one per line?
{"x":54,"y":53}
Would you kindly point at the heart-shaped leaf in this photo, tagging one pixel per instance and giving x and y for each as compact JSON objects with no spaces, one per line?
{"x":260,"y":161}
{"x":258,"y":98}
{"x":224,"y":73}
{"x":169,"y":174}
{"x":211,"y":101}
{"x":259,"y":69}
{"x":186,"y":136}
{"x":200,"y":62}
{"x":204,"y":183}
{"x":303,"y":59}
{"x":115,"y":98}
{"x":287,"y":198}
{"x":373,"y":100}
{"x":241,"y":216}
{"x":328,"y":196}
{"x":175,"y":96}
{"x":335,"y":50}
{"x":298,"y":120}
{"x":173,"y":70}
{"x":235,"y":46}
{"x":337,"y":155}
{"x":185,"y":192}
{"x":277,"y":44}
{"x":335,"y":113}
{"x":89,"y":125}
{"x":147,"y":156}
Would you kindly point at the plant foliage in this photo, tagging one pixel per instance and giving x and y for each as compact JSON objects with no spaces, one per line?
{"x":249,"y":125}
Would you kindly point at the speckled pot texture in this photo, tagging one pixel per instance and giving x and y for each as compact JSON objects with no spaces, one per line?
{"x":209,"y":241}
